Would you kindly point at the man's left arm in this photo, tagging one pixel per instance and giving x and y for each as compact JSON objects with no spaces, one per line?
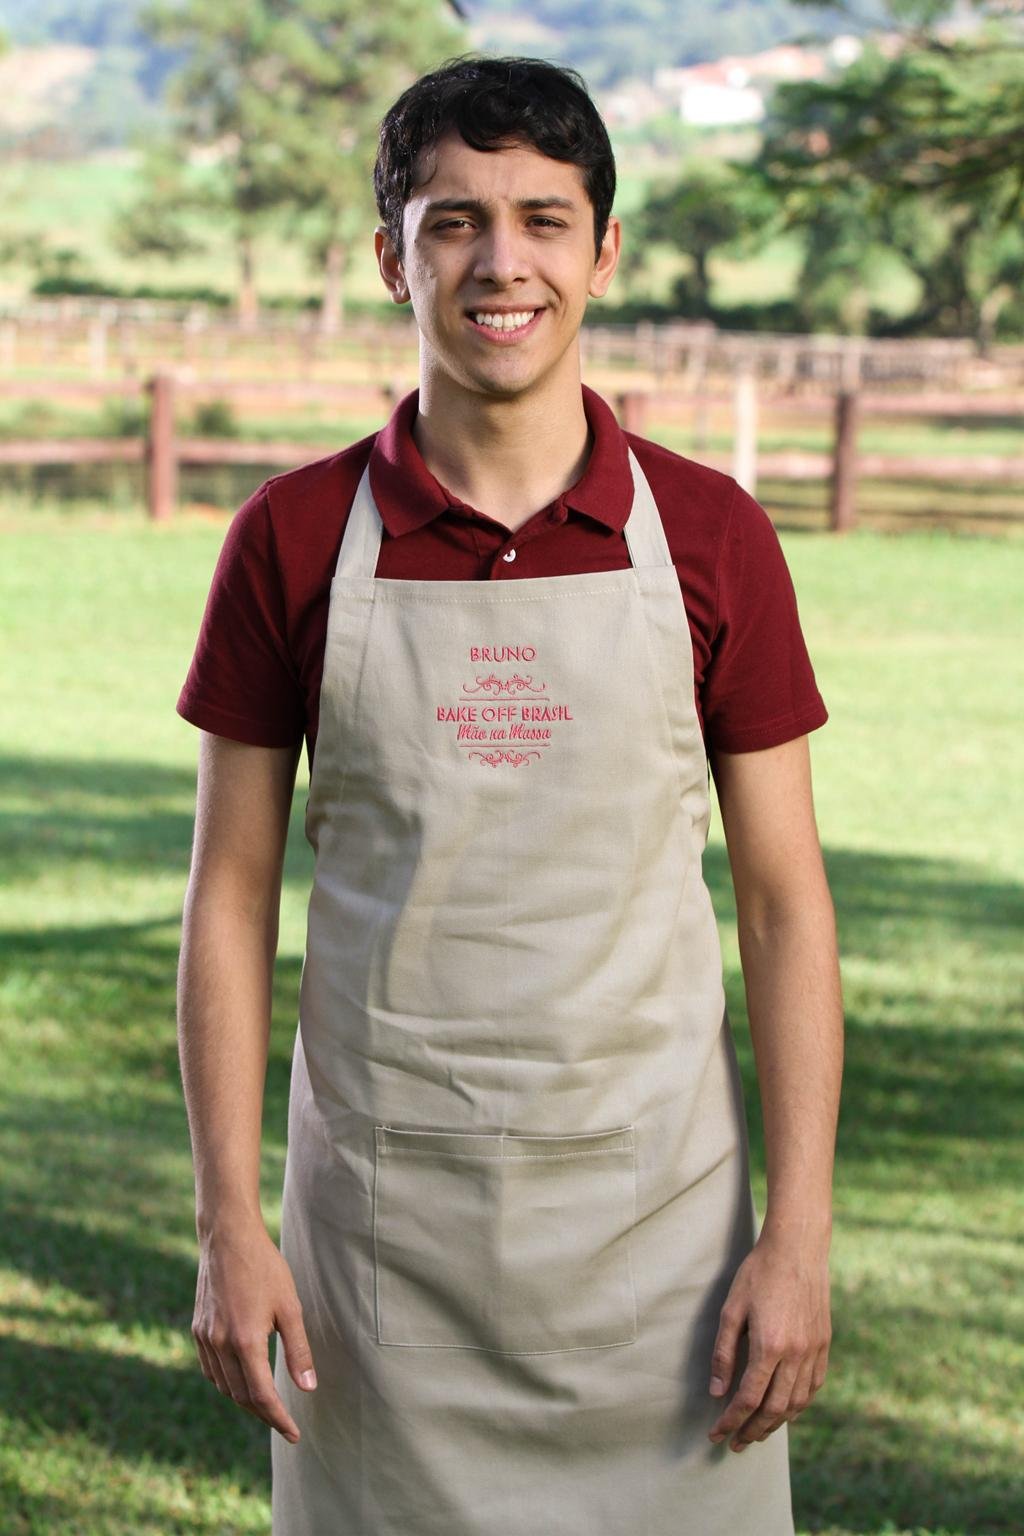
{"x":788,"y":950}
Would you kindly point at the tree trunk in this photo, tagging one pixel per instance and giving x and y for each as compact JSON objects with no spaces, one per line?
{"x":248,"y":300}
{"x":988,"y":314}
{"x":332,"y":313}
{"x":700,"y":272}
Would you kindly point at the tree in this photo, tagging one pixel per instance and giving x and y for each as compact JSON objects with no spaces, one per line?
{"x":941,"y":112}
{"x":152,"y":225}
{"x":284,"y":97}
{"x":916,"y":146}
{"x":342,"y":65}
{"x":709,"y":208}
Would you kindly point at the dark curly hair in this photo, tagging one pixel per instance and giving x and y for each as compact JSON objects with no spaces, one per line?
{"x":494,"y":103}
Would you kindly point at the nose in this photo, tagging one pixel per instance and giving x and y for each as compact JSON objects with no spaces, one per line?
{"x":501,"y":255}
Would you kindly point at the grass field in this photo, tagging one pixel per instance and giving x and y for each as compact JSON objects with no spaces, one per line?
{"x":108,"y":1428}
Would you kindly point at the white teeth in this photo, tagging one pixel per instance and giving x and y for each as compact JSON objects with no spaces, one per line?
{"x":504,"y":322}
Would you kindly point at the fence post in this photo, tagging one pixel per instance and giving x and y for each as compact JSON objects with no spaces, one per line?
{"x":645,"y":340}
{"x":631,"y":405}
{"x":98,"y":347}
{"x":696,"y":383}
{"x":161,"y":459}
{"x":744,"y":444}
{"x":843,"y":513}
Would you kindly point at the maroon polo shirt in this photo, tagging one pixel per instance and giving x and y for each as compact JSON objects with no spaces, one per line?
{"x":258,"y":663}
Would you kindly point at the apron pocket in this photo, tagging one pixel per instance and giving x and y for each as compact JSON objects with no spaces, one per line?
{"x":519,"y":1244}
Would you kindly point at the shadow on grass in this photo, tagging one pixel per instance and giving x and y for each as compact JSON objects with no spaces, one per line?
{"x":131,"y":1409}
{"x":97,"y":1177}
{"x":136,"y":817}
{"x":869,"y":1473}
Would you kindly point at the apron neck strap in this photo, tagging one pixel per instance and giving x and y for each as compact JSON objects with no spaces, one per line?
{"x":360,"y":544}
{"x":643,"y":529}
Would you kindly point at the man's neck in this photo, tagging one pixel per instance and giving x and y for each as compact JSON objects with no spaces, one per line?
{"x":507,"y":458}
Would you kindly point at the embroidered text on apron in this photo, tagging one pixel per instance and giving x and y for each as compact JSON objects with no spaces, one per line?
{"x":517,"y":1182}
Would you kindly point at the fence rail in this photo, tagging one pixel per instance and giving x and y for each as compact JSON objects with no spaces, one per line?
{"x":163,"y":451}
{"x":137,"y":338}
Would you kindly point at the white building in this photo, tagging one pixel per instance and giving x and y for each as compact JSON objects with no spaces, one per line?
{"x":734,"y":89}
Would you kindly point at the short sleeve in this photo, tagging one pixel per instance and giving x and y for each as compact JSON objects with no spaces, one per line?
{"x":759,"y":689}
{"x":242,"y":681}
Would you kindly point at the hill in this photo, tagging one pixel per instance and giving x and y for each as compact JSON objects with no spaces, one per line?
{"x":84,"y":75}
{"x":608,"y":40}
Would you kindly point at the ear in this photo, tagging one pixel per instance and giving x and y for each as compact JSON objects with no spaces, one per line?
{"x":608,"y":260}
{"x":390,"y":267}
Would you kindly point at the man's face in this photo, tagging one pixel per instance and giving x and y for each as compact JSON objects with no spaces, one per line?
{"x":483,"y":253}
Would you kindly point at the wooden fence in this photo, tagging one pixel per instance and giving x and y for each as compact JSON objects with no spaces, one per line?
{"x":106,"y":338}
{"x":162,"y":450}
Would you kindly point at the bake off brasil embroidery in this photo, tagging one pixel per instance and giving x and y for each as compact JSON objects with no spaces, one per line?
{"x":483,"y":715}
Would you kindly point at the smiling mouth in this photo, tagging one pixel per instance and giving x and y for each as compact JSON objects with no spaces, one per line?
{"x":504,"y":327}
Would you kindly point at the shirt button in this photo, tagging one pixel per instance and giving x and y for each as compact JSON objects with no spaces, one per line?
{"x":509,"y":555}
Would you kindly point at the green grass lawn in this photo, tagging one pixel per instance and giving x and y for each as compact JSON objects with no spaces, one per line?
{"x":107,"y":1426}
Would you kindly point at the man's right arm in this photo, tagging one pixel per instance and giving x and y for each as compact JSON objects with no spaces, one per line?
{"x":228,"y":946}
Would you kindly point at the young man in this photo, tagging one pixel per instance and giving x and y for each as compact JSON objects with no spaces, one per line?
{"x":520,"y":1286}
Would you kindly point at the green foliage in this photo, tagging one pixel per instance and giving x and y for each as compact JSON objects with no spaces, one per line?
{"x":710,"y":208}
{"x":917,"y":151}
{"x":154,"y":224}
{"x":937,"y":117}
{"x":199,"y":293}
{"x":341,"y":66}
{"x":127,"y":417}
{"x":914,"y":151}
{"x":22,"y":246}
{"x":33,"y":418}
{"x":288,"y":98}
{"x":906,"y":165}
{"x":62,"y":269}
{"x":214,"y":418}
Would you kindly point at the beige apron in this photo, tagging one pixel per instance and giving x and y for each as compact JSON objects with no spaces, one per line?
{"x":517,"y":1183}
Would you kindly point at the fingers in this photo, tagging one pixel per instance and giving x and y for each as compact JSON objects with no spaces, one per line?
{"x":723,"y":1355}
{"x":297,"y":1353}
{"x":261,"y":1394}
{"x":809,"y":1380}
{"x":211,"y":1370}
{"x":239,"y":1366}
{"x":747,"y":1399}
{"x":245,"y":1291}
{"x":783,"y":1305}
{"x":773,"y":1408}
{"x":768,"y":1399}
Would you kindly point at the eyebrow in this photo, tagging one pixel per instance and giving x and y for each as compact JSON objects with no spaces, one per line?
{"x":475,"y":205}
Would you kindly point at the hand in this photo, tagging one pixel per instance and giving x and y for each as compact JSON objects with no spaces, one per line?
{"x":244,"y":1292}
{"x":781,"y":1292}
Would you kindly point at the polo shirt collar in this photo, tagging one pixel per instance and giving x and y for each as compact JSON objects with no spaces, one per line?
{"x":408,"y":495}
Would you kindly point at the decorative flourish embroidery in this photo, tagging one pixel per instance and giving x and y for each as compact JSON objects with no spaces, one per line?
{"x":494,"y":758}
{"x":513,"y":684}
